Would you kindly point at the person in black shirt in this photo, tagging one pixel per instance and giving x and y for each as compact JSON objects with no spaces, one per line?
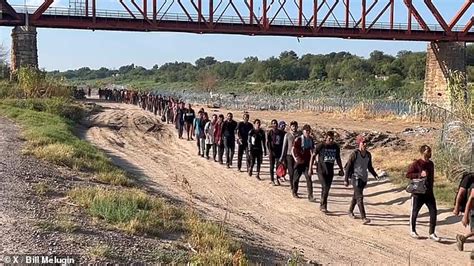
{"x":275,"y":147}
{"x":257,"y":148}
{"x":189,"y":116}
{"x":461,"y":197}
{"x":467,"y":220}
{"x":181,"y":111}
{"x":243,"y":130}
{"x":327,"y":152}
{"x":228,"y":135}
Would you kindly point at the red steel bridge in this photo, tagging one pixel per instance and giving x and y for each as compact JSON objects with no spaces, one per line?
{"x":351,"y":19}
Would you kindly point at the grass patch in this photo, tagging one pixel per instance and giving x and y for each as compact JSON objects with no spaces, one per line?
{"x":135,"y":212}
{"x":213,"y":244}
{"x":172,"y":256}
{"x":100,"y":251}
{"x":48,"y":128}
{"x":61,"y":224}
{"x":130,"y":210}
{"x":41,"y":189}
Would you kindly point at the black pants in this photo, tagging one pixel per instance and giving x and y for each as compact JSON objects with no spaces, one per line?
{"x":220,"y":148}
{"x":189,"y":128}
{"x":417,"y":201}
{"x":214,"y":150}
{"x":273,"y":157}
{"x":240,"y":154}
{"x":256,"y":155}
{"x":358,"y":196}
{"x":208,"y":148}
{"x":290,"y":166}
{"x":326,"y":182}
{"x":180,"y":129}
{"x":300,"y":170}
{"x":229,"y":145}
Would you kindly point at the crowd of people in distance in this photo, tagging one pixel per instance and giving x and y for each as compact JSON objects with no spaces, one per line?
{"x":299,"y":153}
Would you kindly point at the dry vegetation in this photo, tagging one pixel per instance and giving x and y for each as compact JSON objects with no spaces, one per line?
{"x":47,"y":126}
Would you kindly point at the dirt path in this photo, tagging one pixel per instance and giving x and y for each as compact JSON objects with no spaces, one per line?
{"x":268,"y":216}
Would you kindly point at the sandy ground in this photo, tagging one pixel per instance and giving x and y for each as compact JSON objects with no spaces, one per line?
{"x":268,"y":216}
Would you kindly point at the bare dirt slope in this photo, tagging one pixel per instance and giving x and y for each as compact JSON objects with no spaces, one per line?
{"x":268,"y":216}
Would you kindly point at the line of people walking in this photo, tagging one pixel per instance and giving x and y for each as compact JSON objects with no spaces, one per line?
{"x":295,"y":151}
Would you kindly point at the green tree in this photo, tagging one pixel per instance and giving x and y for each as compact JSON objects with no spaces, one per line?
{"x":205,"y":62}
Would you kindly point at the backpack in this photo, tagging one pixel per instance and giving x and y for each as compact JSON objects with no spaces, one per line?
{"x":281,"y":170}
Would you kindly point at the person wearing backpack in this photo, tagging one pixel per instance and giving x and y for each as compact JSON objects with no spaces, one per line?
{"x":219,"y":142}
{"x":357,"y":168}
{"x":423,"y":170}
{"x":303,"y":153}
{"x":199,"y":130}
{"x":275,"y":147}
{"x":209,"y":130}
{"x":286,"y":156}
{"x":328,"y":152}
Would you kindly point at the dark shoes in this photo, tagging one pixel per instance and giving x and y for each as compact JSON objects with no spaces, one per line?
{"x":275,"y":182}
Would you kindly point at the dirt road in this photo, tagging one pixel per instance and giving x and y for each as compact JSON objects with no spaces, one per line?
{"x":268,"y":216}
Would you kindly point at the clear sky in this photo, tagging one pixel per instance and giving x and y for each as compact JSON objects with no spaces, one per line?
{"x":70,"y":49}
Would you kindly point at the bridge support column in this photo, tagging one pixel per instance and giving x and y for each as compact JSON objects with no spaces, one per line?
{"x":441,"y":59}
{"x":24,"y":51}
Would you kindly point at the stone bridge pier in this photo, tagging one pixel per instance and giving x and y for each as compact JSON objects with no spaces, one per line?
{"x":441,"y":59}
{"x":24,"y":51}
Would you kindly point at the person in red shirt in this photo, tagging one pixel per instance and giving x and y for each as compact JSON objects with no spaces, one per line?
{"x":423,"y":168}
{"x":303,"y":152}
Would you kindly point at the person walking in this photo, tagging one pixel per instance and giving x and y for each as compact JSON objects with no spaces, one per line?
{"x":275,"y":147}
{"x":303,"y":153}
{"x":257,"y":147}
{"x":202,"y":137}
{"x":209,"y":130}
{"x":357,"y":168}
{"x":180,"y":119}
{"x":423,"y":170}
{"x":228,"y":134}
{"x":467,"y":220}
{"x":189,"y":118}
{"x":198,"y":130}
{"x":286,"y":156}
{"x":243,"y":129}
{"x":328,"y":152}
{"x":218,"y":139}
{"x":462,"y":195}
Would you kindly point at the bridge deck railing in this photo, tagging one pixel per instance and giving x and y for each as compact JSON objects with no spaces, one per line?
{"x":234,"y":20}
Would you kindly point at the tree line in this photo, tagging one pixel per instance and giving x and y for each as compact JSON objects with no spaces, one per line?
{"x":381,"y":71}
